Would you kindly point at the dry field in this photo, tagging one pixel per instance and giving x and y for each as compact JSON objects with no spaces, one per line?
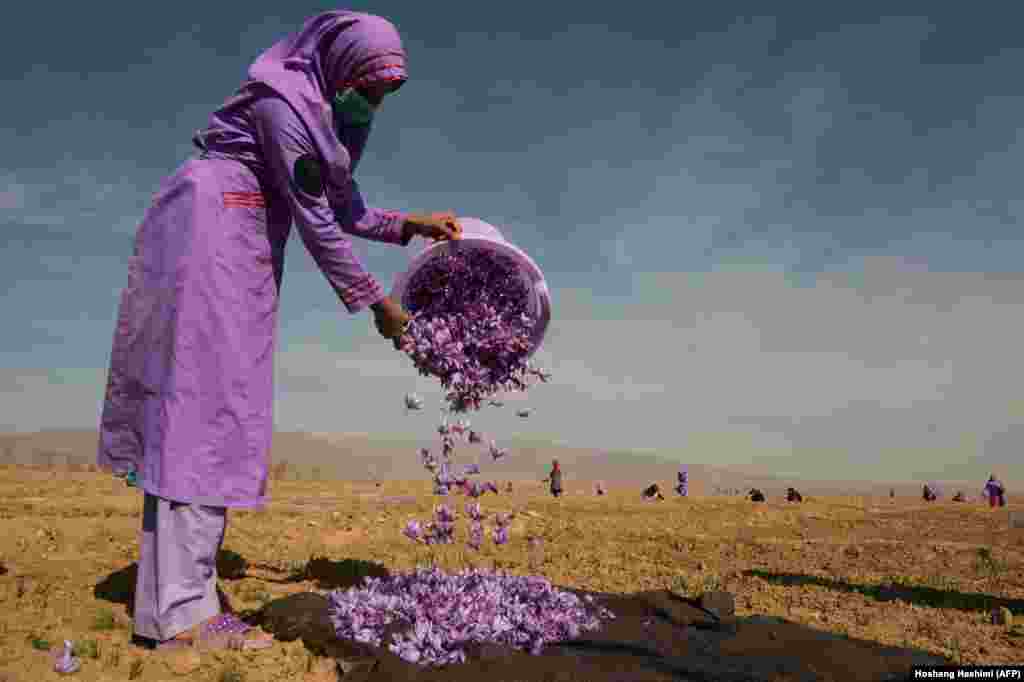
{"x":896,"y":572}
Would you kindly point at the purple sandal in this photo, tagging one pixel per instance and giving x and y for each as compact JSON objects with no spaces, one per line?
{"x":226,"y":631}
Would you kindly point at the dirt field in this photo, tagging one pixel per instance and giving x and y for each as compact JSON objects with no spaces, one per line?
{"x":895,"y":572}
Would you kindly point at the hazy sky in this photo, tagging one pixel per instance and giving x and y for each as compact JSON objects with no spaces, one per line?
{"x":785,"y":240}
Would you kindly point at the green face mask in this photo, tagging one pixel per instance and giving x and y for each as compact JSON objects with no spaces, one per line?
{"x":351,"y":109}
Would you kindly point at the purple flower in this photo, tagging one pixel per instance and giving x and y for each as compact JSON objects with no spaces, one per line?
{"x":496,"y":452}
{"x":473,"y":511}
{"x":476,"y":535}
{"x":471,"y":469}
{"x":412,"y":530}
{"x":500,"y":535}
{"x":443,"y":513}
{"x":65,"y":661}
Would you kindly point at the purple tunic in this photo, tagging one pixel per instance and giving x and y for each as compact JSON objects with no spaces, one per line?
{"x":190,"y":391}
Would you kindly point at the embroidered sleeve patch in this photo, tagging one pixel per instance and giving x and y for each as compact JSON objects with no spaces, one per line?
{"x":308,"y":175}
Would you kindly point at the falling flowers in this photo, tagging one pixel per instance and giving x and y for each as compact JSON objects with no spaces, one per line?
{"x":470,"y":328}
{"x":441,"y":531}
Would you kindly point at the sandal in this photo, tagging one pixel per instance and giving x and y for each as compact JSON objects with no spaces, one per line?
{"x":228,"y":631}
{"x":225,"y":631}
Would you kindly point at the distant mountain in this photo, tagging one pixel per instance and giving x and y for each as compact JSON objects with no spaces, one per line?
{"x":364,"y":457}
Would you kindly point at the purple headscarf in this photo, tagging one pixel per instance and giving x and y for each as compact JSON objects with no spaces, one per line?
{"x":334,"y":50}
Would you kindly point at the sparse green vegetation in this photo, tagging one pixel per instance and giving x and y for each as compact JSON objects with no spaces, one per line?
{"x":87,"y":648}
{"x":104,"y":620}
{"x":38,"y":643}
{"x":231,"y":673}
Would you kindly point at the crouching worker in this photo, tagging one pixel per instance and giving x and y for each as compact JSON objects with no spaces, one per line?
{"x":653,"y":492}
{"x":755,"y":495}
{"x":189,"y":397}
{"x":793,"y":495}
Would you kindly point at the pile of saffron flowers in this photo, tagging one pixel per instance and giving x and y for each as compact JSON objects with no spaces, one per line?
{"x":446,"y":613}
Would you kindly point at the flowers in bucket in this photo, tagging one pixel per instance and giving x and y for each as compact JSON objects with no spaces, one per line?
{"x":470,"y":326}
{"x":446,"y":613}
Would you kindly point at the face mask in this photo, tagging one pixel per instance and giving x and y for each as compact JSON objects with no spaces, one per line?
{"x":351,"y":109}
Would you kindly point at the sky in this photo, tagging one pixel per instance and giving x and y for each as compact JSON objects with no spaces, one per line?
{"x":785,"y":241}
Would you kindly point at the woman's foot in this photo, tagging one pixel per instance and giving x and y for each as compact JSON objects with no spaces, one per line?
{"x":223,"y":631}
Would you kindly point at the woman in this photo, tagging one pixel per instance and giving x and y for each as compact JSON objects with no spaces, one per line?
{"x":682,"y":483}
{"x":555,"y":478}
{"x":995,"y":492}
{"x":190,"y":392}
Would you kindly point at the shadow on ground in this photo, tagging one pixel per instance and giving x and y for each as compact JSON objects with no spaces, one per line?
{"x":912,"y":594}
{"x":119,"y":586}
{"x":328,"y":574}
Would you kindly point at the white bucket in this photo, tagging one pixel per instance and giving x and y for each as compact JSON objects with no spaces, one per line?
{"x":476,"y":234}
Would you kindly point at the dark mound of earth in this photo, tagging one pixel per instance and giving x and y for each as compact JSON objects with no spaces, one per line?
{"x":655,"y":637}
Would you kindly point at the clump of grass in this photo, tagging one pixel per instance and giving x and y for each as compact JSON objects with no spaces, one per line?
{"x":88,"y":648}
{"x":104,"y":620}
{"x":39,"y":643}
{"x":680,"y":586}
{"x":296,"y":570}
{"x":711,"y":582}
{"x":956,"y":650}
{"x":114,"y":658}
{"x":135,"y":669}
{"x":231,"y":673}
{"x":258,"y":594}
{"x":988,"y":565}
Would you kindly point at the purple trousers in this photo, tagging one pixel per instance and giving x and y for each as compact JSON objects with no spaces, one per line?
{"x":176,"y":587}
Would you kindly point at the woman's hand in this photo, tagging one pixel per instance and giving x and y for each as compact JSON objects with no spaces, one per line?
{"x":436,"y":226}
{"x":390,"y":319}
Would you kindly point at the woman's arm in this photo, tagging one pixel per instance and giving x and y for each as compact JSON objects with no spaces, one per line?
{"x":283,"y":140}
{"x":356,"y":218}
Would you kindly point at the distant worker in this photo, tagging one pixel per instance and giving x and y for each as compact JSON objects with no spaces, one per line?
{"x":995,"y":492}
{"x":508,"y":487}
{"x":555,"y":478}
{"x":927,"y":494}
{"x":683,"y":483}
{"x":793,"y":495}
{"x":959,"y":497}
{"x":653,"y":492}
{"x":756,"y":495}
{"x":599,"y":488}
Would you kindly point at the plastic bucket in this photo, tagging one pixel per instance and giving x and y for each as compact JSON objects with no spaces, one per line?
{"x":476,"y":234}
